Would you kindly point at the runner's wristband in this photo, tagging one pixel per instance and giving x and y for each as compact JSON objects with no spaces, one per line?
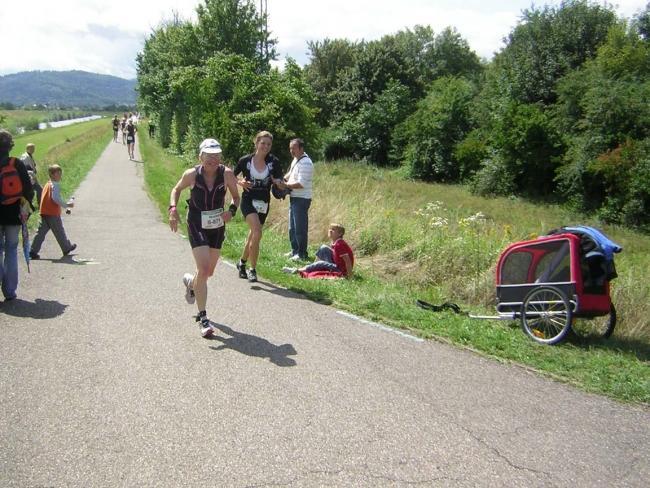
{"x":232,"y":209}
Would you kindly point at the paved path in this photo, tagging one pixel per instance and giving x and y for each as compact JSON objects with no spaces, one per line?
{"x":105,"y":381}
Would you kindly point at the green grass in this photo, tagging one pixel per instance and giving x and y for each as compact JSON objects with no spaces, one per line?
{"x":408,"y":251}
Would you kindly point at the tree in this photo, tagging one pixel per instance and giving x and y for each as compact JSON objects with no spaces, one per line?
{"x":224,"y":26}
{"x":642,"y":21}
{"x":604,"y":114}
{"x":432,"y":132}
{"x":329,"y":59}
{"x":234,"y":26}
{"x":548,"y":43}
{"x":171,"y":46}
{"x":369,"y":132}
{"x":367,"y":89}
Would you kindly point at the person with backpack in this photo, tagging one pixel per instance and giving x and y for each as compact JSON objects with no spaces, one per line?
{"x":15,"y":184}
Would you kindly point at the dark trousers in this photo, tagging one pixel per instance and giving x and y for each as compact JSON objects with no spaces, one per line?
{"x":299,"y":225}
{"x":55,"y":224}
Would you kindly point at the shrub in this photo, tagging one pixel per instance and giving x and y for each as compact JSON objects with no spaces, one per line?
{"x":530,"y":146}
{"x":470,"y":152}
{"x":440,"y":122}
{"x":494,"y":178}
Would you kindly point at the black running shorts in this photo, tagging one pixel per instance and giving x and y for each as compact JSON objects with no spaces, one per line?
{"x":205,"y":237}
{"x":246,"y":207}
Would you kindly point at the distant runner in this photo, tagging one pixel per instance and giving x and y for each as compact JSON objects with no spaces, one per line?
{"x":131,"y":129}
{"x":123,"y":127}
{"x":116,"y":127}
{"x":206,"y":221}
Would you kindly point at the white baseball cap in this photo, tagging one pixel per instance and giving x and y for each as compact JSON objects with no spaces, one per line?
{"x":210,"y":146}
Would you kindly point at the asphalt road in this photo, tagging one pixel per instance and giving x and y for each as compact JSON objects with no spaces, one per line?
{"x":105,"y":381}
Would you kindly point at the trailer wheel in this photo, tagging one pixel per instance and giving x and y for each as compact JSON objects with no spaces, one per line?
{"x":546,"y":315}
{"x":597,"y":327}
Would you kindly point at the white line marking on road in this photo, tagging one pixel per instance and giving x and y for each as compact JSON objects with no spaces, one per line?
{"x":380,"y":326}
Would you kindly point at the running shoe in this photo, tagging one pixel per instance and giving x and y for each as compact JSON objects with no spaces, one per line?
{"x":241,"y":267}
{"x":288,"y":254}
{"x":188,"y":279}
{"x":295,"y":257}
{"x":205,"y":326}
{"x":252,"y":275}
{"x":289,"y":270}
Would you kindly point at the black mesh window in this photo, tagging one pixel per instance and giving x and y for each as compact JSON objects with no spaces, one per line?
{"x":555,"y":266}
{"x":515,"y":268}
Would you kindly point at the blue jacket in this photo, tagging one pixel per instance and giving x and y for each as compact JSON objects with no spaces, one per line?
{"x":606,"y":246}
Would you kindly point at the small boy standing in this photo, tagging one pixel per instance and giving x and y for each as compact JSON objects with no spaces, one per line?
{"x":337,"y":259}
{"x":51,"y":205}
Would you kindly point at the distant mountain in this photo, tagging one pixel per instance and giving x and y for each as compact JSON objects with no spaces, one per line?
{"x":66,"y":88}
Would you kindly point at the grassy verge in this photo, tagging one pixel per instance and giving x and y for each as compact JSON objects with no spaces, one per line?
{"x":411,"y":247}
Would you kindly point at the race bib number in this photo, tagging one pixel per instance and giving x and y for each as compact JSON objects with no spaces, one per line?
{"x":129,"y":139}
{"x":261,"y":206}
{"x":212,"y":219}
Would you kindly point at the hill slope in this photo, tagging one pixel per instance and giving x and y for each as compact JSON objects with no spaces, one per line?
{"x":66,"y":88}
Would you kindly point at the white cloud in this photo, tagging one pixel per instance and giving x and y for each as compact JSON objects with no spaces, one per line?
{"x":104,"y":37}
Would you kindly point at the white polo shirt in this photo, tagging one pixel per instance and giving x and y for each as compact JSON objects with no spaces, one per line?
{"x":301,"y":171}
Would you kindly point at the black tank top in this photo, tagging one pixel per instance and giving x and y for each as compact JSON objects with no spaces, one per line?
{"x":203,"y":199}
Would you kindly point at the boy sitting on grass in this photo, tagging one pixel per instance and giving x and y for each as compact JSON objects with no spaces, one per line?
{"x":51,"y":205}
{"x":334,"y":261}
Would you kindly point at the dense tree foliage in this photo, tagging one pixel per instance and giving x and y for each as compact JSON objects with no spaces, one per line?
{"x":430,"y":135}
{"x":562,"y":112}
{"x":213,"y":79}
{"x":604,"y":113}
{"x":367,"y":89}
{"x":547,"y":44}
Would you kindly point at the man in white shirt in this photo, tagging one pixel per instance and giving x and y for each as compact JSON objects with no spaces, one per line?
{"x":30,"y":164}
{"x":299,"y":180}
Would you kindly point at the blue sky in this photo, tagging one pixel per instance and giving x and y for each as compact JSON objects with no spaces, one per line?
{"x":104,"y":36}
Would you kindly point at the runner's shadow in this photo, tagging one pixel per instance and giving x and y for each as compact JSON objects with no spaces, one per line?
{"x":251,"y":345}
{"x":39,"y":309}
